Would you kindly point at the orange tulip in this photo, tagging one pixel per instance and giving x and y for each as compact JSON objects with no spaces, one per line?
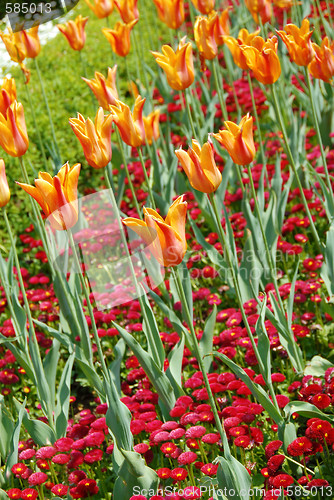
{"x":7,"y":94}
{"x":101,"y":8}
{"x":234,"y":44}
{"x":200,"y":167}
{"x":298,"y":42}
{"x":223,"y":27}
{"x":57,"y":196}
{"x":238,"y":140}
{"x":170,"y":12}
{"x":151,"y":124}
{"x":130,"y":125}
{"x":119,"y":37}
{"x":178,"y":66}
{"x":95,"y":138}
{"x":205,"y":32}
{"x":260,"y":8}
{"x":128,"y":10}
{"x":4,"y":189}
{"x":166,"y":238}
{"x":74,"y":31}
{"x":263,"y":60}
{"x":322,"y":66}
{"x":13,"y":132}
{"x":104,"y":89}
{"x":204,"y":6}
{"x":30,"y":40}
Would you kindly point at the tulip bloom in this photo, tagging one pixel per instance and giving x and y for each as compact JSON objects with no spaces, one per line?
{"x":200,"y":167}
{"x":130,"y":125}
{"x":223,"y":27}
{"x":74,"y":31}
{"x":4,"y":189}
{"x":166,"y":238}
{"x":7,"y":94}
{"x":119,"y":37}
{"x":151,"y":124}
{"x":57,"y":196}
{"x":103,"y":88}
{"x":263,"y":60}
{"x":238,"y":140}
{"x":178,"y":66}
{"x":322,"y":66}
{"x":204,"y":6}
{"x":205,"y":32}
{"x":128,"y":10}
{"x":95,"y":138}
{"x":14,"y":46}
{"x":101,"y":8}
{"x":298,"y":42}
{"x":30,"y":40}
{"x":260,"y":8}
{"x":13,"y":132}
{"x":170,"y":12}
{"x":234,"y":44}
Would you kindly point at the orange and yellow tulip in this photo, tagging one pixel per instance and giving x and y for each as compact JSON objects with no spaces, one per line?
{"x":128,"y":10}
{"x":259,"y":8}
{"x":238,"y":140}
{"x":4,"y":189}
{"x":104,"y":89}
{"x":95,"y":138}
{"x":13,"y":132}
{"x":178,"y":66}
{"x":151,"y":124}
{"x":74,"y":31}
{"x":7,"y":94}
{"x":57,"y":196}
{"x":234,"y":44}
{"x":166,"y":238}
{"x":101,"y":8}
{"x":322,"y":66}
{"x":119,"y":37}
{"x":263,"y":60}
{"x":130,"y":124}
{"x":14,"y":46}
{"x":200,"y":167}
{"x":298,"y":42}
{"x":170,"y":12}
{"x":204,"y":6}
{"x":205,"y":32}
